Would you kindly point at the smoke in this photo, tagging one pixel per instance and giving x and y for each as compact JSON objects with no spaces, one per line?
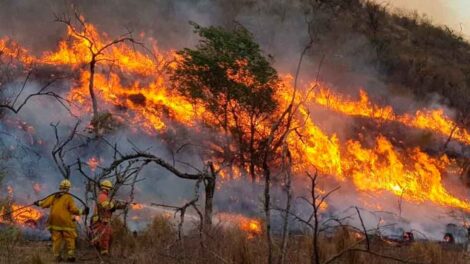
{"x":451,"y":13}
{"x":341,"y":59}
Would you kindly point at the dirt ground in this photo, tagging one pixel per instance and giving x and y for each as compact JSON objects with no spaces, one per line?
{"x":39,"y":252}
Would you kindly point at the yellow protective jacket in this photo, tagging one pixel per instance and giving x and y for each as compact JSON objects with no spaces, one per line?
{"x":62,"y":210}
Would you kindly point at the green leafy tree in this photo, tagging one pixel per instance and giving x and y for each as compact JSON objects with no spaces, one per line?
{"x":228,"y":74}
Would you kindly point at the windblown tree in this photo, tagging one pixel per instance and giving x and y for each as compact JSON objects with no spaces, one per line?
{"x":229,"y":75}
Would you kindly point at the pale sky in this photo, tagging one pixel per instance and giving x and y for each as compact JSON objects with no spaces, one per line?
{"x":453,"y":13}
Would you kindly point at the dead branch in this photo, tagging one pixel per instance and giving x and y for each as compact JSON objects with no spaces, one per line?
{"x":95,"y":51}
{"x":125,"y":168}
{"x":363,"y":228}
{"x":13,"y":107}
{"x":147,"y":157}
{"x":132,"y":192}
{"x":59,"y":151}
{"x":287,"y":164}
{"x":449,"y":138}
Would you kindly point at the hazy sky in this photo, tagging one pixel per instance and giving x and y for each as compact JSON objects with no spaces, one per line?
{"x":454,"y":13}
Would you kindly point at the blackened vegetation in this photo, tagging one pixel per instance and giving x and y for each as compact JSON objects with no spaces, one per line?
{"x":138,"y":99}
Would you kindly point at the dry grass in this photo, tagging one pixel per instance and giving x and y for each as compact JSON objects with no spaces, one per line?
{"x":159,"y":244}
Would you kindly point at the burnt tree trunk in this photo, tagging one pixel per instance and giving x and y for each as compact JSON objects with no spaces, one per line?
{"x":316,"y":250}
{"x":267,"y":207}
{"x":287,"y":188}
{"x":91,"y":87}
{"x":252,"y":151}
{"x":210,"y":190}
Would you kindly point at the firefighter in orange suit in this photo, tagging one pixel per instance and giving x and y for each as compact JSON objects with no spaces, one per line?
{"x":101,"y":220}
{"x":61,"y":223}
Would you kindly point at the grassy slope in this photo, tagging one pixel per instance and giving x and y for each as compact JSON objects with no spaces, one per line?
{"x":409,"y":51}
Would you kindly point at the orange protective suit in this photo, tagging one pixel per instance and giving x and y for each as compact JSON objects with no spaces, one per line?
{"x":101,"y":222}
{"x":60,"y":222}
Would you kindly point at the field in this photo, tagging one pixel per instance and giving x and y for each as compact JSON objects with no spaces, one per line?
{"x":159,"y":244}
{"x":243,"y":114}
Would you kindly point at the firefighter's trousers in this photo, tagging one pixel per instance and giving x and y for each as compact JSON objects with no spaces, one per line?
{"x":101,"y":232}
{"x":60,"y":237}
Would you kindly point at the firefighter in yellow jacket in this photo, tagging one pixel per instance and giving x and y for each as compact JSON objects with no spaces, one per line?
{"x":61,"y":223}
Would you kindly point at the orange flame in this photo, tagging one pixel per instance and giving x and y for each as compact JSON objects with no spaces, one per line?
{"x":138,"y":93}
{"x":252,"y":227}
{"x":22,"y":216}
{"x":433,"y":120}
{"x":137,"y":206}
{"x":410,"y":173}
{"x":12,"y":50}
{"x":18,"y":214}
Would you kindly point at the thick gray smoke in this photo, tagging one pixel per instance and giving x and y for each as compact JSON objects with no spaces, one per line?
{"x":342,"y":60}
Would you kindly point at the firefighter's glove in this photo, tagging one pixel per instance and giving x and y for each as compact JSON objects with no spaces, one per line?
{"x":37,"y":202}
{"x":86,"y":211}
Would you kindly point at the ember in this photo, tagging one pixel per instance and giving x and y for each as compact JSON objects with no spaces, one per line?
{"x":408,"y":237}
{"x":251,"y":226}
{"x":449,"y":238}
{"x":93,"y":163}
{"x":137,"y":206}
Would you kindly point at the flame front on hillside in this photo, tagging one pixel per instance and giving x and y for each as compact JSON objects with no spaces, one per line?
{"x":433,"y":120}
{"x":137,"y":91}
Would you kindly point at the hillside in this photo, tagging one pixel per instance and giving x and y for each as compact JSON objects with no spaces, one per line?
{"x":406,"y":51}
{"x":251,"y":131}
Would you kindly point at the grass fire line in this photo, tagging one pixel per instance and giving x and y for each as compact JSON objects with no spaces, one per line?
{"x":409,"y":173}
{"x":129,"y":86}
{"x":251,"y":226}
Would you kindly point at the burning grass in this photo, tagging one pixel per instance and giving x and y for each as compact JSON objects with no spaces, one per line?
{"x":227,"y":245}
{"x":139,"y":86}
{"x":18,"y":214}
{"x":138,"y":92}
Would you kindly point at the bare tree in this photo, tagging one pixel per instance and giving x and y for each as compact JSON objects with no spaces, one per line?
{"x":10,"y":77}
{"x":316,"y":202}
{"x":317,"y":226}
{"x":60,"y":150}
{"x":125,"y":168}
{"x":96,"y":51}
{"x":287,"y":186}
